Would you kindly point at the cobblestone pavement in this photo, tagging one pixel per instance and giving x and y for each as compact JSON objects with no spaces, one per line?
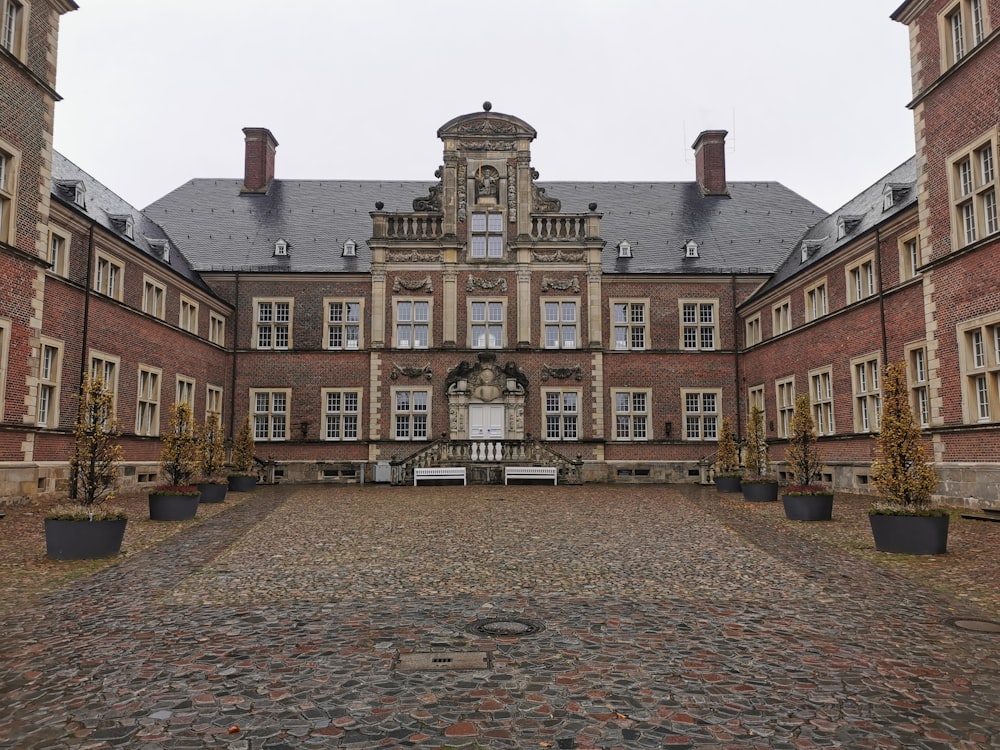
{"x":672,"y":617}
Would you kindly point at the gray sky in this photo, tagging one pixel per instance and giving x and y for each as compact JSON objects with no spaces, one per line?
{"x":813,"y":93}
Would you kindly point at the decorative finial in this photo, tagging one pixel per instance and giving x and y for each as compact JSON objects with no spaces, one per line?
{"x":487,"y":106}
{"x":592,"y":206}
{"x":379,"y":205}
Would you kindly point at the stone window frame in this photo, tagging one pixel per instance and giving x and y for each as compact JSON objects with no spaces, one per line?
{"x":50,"y":382}
{"x":216,"y":328}
{"x":784,"y":402}
{"x":699,"y":326}
{"x":10,"y":161}
{"x":109,"y":275}
{"x":962,"y":26}
{"x":147,"y":401}
{"x":154,"y":297}
{"x":866,"y":391}
{"x":486,"y":323}
{"x":566,"y":422}
{"x":821,"y":400}
{"x":561,"y":324}
{"x":756,"y":397}
{"x":486,"y":234}
{"x":277,"y":421}
{"x":343,"y":325}
{"x":637,"y":419}
{"x":630,"y":325}
{"x":58,"y":259}
{"x":816,"y":300}
{"x":411,"y":414}
{"x":858,"y":274}
{"x":752,"y":330}
{"x":213,"y":396}
{"x":909,"y":256}
{"x":412,"y":324}
{"x":102,"y":360}
{"x":973,"y":185}
{"x":979,"y":363}
{"x":184,"y":390}
{"x":272,"y":325}
{"x":781,"y":316}
{"x":342,"y":416}
{"x":15,"y":16}
{"x":188,"y":313}
{"x":707,"y":420}
{"x":918,"y":382}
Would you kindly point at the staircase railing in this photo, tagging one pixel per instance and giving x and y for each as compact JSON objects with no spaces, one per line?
{"x":447,"y":452}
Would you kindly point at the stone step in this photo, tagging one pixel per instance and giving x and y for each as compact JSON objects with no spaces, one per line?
{"x":984,"y":514}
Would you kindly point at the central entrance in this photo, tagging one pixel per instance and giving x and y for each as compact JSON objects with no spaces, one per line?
{"x":486,"y":400}
{"x":486,"y":421}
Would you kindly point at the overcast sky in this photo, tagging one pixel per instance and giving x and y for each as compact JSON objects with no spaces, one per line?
{"x":157,"y":92}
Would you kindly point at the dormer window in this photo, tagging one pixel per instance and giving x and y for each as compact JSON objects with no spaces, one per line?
{"x":891,"y":193}
{"x":624,"y":249}
{"x":810,"y":248}
{"x":690,"y":249}
{"x":281,"y":247}
{"x":846,"y":225}
{"x":350,"y":249}
{"x":161,"y":248}
{"x":74,"y":190}
{"x":124,"y":224}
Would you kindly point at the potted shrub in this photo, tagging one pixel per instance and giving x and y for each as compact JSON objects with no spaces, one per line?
{"x":805,"y":500}
{"x":727,"y":460}
{"x":901,"y":517}
{"x":242,"y":478}
{"x":177,"y":500}
{"x":211,"y":458}
{"x":758,"y":484}
{"x":89,"y":528}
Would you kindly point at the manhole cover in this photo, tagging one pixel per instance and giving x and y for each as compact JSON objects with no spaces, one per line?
{"x":978,"y":626}
{"x":505,"y":627}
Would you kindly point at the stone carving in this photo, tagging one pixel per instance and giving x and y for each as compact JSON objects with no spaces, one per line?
{"x":412,"y":286}
{"x":561,"y":373}
{"x":462,"y":191}
{"x":432,"y":202}
{"x":512,"y":193}
{"x":487,"y":183}
{"x":413,"y":256}
{"x":411,"y":372}
{"x":486,"y":127}
{"x":543,"y":203}
{"x":485,"y":379}
{"x":563,"y":285}
{"x":559,"y":256}
{"x":488,"y":145}
{"x":498,"y":284}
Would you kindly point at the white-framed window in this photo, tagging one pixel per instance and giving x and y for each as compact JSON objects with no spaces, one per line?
{"x":562,"y":414}
{"x":58,"y":251}
{"x":861,"y":279}
{"x":865,"y":376}
{"x":909,"y":256}
{"x":213,"y":401}
{"x":188,"y":315}
{"x":753,"y":333}
{"x":273,"y":323}
{"x":781,"y":317}
{"x":821,"y":396}
{"x":109,"y":276}
{"x":755,"y":398}
{"x":147,"y":411}
{"x":632,"y":410}
{"x":629,"y":324}
{"x":270,"y":414}
{"x":106,"y":367}
{"x":9,"y":159}
{"x":560,"y":323}
{"x":13,"y":29}
{"x":963,"y":27}
{"x":784,"y":397}
{"x":184,"y":393}
{"x":410,"y":409}
{"x":216,"y":328}
{"x":154,"y":297}
{"x":701,"y":413}
{"x":973,"y":190}
{"x":699,"y":324}
{"x":979,"y":358}
{"x":486,"y":324}
{"x":341,"y":408}
{"x":49,"y":378}
{"x":917,"y":380}
{"x":413,"y":323}
{"x":486,"y":235}
{"x":815,"y":300}
{"x":343,"y":323}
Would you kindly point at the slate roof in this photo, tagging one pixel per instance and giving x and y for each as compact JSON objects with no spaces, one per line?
{"x":219,"y":229}
{"x":865,"y":208}
{"x":103,"y":207}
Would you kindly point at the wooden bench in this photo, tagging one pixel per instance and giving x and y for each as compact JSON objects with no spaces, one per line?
{"x":530,"y":472}
{"x":438,"y":472}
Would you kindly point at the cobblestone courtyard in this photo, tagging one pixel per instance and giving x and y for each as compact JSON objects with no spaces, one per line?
{"x":670,"y":616}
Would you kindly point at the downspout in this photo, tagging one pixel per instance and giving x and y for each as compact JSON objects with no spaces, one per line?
{"x":232,"y":366}
{"x":87,"y":285}
{"x":881,"y":298}
{"x":736,"y":359}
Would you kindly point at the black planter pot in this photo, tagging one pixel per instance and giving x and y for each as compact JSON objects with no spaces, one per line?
{"x":910,"y":535}
{"x":808,"y":507}
{"x":241,"y":483}
{"x":172,"y":507}
{"x":83,"y":540}
{"x":727,"y":484}
{"x":212,"y":492}
{"x":760,"y":492}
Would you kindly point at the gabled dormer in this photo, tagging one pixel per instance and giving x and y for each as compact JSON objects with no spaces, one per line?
{"x":846,"y":223}
{"x":161,"y":247}
{"x":124,"y":224}
{"x":281,"y":247}
{"x":810,"y":248}
{"x":72,"y":190}
{"x":892,"y":193}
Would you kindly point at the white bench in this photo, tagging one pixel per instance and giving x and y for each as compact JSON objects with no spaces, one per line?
{"x":530,"y":472}
{"x":438,"y":472}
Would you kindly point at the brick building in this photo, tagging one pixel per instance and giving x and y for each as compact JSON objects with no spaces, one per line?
{"x":485,"y":317}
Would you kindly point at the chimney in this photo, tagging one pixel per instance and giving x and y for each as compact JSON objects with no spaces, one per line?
{"x":259,"y":164}
{"x":710,"y":161}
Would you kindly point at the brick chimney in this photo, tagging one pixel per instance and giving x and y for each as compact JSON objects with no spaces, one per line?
{"x":259,"y":165}
{"x":710,"y":161}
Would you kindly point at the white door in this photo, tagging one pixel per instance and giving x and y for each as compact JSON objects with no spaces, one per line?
{"x":486,"y":421}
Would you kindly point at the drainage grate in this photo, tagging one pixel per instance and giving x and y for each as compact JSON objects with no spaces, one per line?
{"x":505,"y":627}
{"x":978,"y":626}
{"x":443,"y":660}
